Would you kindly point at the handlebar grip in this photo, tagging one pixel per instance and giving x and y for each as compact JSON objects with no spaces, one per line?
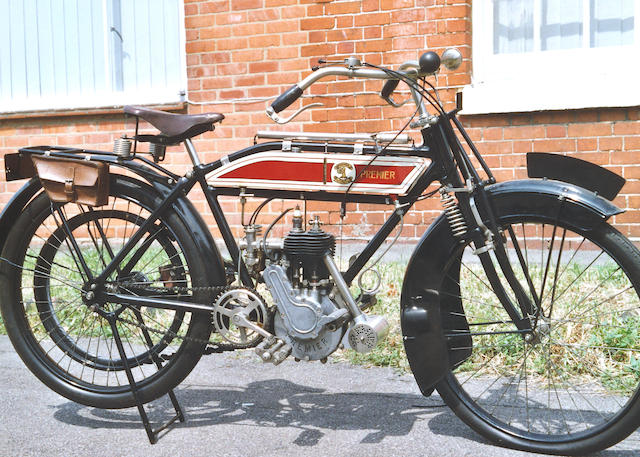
{"x":287,"y":98}
{"x":389,"y":87}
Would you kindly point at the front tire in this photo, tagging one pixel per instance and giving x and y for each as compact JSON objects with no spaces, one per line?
{"x":571,"y":388}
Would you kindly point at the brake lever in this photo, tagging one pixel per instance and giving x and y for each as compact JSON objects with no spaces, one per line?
{"x":393,"y":103}
{"x":278,"y":120}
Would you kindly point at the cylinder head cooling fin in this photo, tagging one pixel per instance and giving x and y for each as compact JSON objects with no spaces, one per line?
{"x":314,"y":243}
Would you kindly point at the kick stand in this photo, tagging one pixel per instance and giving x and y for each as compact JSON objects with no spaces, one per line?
{"x":151,"y":433}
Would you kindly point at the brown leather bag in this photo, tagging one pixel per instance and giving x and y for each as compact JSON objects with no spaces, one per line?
{"x":73,"y":180}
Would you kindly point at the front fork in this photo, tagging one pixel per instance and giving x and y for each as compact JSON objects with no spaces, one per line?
{"x":490,"y":241}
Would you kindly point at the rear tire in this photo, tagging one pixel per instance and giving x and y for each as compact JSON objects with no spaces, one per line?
{"x":572,"y":389}
{"x":68,"y":345}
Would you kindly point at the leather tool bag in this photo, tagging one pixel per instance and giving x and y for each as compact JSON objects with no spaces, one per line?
{"x":73,"y":180}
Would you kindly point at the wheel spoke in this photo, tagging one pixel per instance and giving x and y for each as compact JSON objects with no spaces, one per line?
{"x":555,"y":276}
{"x":72,"y":243}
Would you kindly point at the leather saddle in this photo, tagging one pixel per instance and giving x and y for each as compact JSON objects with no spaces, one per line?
{"x":174,"y":128}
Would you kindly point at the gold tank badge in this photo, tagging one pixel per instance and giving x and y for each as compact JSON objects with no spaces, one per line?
{"x":343,"y":173}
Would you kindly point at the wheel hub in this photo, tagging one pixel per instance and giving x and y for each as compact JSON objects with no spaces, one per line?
{"x":90,"y":295}
{"x":542,"y":330}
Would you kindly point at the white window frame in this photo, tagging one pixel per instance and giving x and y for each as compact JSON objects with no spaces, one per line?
{"x":111,"y":98}
{"x":607,"y":76}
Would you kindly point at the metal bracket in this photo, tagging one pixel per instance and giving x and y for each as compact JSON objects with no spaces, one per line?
{"x":486,"y":248}
{"x":488,"y":235}
{"x":467,"y":189}
{"x":424,"y":121}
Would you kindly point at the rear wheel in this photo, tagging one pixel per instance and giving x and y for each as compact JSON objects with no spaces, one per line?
{"x":570,"y":387}
{"x":67,"y":340}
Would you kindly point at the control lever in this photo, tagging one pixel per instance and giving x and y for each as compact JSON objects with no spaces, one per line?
{"x":278,"y":120}
{"x":349,"y":62}
{"x":388,"y":89}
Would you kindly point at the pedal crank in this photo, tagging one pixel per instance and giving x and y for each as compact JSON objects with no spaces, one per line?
{"x":240,"y":317}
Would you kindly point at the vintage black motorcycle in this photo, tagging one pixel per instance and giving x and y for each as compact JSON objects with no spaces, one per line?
{"x":519,"y":304}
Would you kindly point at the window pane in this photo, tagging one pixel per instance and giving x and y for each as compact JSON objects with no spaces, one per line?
{"x":51,"y":48}
{"x":512,"y":26}
{"x":561,"y":26}
{"x":611,"y":22}
{"x":82,"y":53}
{"x":150,"y":44}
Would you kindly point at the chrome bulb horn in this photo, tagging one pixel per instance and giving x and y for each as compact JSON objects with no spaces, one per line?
{"x":451,"y":58}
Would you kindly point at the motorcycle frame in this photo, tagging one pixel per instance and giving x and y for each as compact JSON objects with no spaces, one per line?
{"x":450,"y":165}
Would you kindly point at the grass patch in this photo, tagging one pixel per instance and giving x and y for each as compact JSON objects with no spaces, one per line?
{"x":604,"y":348}
{"x":390,"y":352}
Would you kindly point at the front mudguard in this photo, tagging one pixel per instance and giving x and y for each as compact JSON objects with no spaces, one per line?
{"x":183,"y":208}
{"x":427,"y":294}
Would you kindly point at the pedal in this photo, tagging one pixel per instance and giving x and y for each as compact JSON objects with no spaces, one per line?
{"x":273,"y":350}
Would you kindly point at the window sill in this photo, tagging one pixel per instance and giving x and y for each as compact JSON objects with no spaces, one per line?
{"x":51,"y":113}
{"x":509,"y":97}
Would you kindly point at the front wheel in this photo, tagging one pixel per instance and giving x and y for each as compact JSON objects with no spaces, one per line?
{"x":571,"y":386}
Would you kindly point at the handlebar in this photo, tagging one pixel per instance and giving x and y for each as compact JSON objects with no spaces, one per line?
{"x":294,"y":92}
{"x":428,"y":64}
{"x":388,"y":88}
{"x":287,"y":98}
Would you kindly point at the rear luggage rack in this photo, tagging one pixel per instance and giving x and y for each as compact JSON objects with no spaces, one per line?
{"x":19,"y":166}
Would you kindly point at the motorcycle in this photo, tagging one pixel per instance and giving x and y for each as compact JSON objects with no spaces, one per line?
{"x":516,"y":304}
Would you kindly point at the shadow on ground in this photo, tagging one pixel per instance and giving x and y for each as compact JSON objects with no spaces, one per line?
{"x":275,"y":403}
{"x":280,"y":403}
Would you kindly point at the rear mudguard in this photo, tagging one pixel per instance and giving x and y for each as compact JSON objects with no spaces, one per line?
{"x":15,"y":206}
{"x":183,"y":208}
{"x":430,"y":354}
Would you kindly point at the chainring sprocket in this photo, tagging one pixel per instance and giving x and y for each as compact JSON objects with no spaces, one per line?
{"x":244,"y":300}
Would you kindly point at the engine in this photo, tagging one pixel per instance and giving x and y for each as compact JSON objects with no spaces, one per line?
{"x":313,"y":301}
{"x":307,"y":317}
{"x":305,"y":251}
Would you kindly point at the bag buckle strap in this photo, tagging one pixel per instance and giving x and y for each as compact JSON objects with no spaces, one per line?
{"x":68,"y":184}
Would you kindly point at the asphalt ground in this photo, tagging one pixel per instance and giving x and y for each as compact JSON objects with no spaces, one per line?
{"x":237,"y":406}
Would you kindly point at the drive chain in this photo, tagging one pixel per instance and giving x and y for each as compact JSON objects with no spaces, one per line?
{"x":212,"y":347}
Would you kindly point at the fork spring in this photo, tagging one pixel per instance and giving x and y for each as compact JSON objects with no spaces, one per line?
{"x":454,"y":215}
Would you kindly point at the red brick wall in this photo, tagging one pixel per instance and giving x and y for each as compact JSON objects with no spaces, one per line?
{"x":608,"y":137}
{"x":239,"y":49}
